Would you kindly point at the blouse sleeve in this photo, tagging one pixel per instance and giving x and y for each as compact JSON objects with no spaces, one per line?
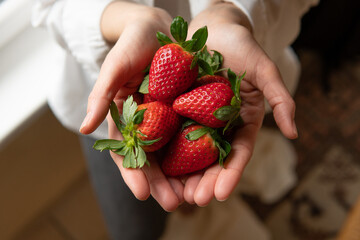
{"x":75,"y":24}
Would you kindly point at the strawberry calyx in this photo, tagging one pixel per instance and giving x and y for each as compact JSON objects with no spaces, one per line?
{"x":144,"y":86}
{"x":223,"y":146}
{"x":231,"y":113}
{"x":209,"y":64}
{"x":131,"y":146}
{"x":179,"y":31}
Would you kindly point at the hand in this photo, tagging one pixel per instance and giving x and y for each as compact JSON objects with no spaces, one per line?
{"x":132,"y":27}
{"x":230,"y":34}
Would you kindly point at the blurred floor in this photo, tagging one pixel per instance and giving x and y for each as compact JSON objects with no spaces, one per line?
{"x":45,"y":190}
{"x":328,"y":149}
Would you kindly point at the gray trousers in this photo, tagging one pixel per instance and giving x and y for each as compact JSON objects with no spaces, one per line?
{"x":126,"y":217}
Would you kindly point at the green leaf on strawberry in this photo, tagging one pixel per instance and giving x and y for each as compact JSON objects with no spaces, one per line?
{"x":109,"y":144}
{"x":199,"y":37}
{"x":205,"y":67}
{"x":187,"y":123}
{"x":116,"y":116}
{"x":130,"y":147}
{"x":139,"y":116}
{"x":198,"y":133}
{"x":179,"y":30}
{"x":209,"y":64}
{"x":163,"y":39}
{"x":225,"y":113}
{"x":144,"y":86}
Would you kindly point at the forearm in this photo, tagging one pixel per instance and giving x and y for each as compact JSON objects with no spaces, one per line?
{"x":114,"y":19}
{"x":118,"y":15}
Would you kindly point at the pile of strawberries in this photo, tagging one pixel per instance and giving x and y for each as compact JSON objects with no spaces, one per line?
{"x":188,"y":105}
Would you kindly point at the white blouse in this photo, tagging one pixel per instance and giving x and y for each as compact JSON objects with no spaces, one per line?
{"x":75,"y":24}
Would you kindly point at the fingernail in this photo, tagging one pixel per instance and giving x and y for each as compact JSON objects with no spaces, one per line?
{"x":85,"y":122}
{"x":222,"y":200}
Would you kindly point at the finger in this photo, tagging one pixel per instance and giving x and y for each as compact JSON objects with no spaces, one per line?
{"x":178,"y":188}
{"x":113,"y":75}
{"x":135,"y":179}
{"x":242,"y":148}
{"x":205,"y":190}
{"x":190,"y":187}
{"x":160,"y":187}
{"x":124,"y":62}
{"x":270,"y":83}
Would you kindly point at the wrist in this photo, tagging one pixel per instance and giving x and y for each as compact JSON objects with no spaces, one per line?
{"x":222,"y":12}
{"x":113,"y":20}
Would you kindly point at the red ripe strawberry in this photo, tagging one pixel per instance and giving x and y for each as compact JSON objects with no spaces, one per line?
{"x":171,"y":72}
{"x":200,"y":103}
{"x":160,"y":121}
{"x":145,"y":128}
{"x":147,"y":99}
{"x":174,"y":67}
{"x":214,"y":105}
{"x":194,"y":148}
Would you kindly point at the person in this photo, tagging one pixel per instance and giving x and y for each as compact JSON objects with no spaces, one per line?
{"x":107,"y":46}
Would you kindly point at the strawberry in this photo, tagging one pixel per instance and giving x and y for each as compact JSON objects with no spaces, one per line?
{"x":200,"y":103}
{"x":144,"y":90}
{"x":192,"y":149}
{"x":174,"y":66}
{"x":147,"y":99}
{"x":207,"y":79}
{"x":145,"y":128}
{"x":160,"y":121}
{"x":214,"y":105}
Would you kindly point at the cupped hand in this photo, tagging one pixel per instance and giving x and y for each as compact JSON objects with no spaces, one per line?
{"x":230,"y":34}
{"x":132,"y":29}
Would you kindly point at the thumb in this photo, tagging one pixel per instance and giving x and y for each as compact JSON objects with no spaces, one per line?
{"x":120,"y":74}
